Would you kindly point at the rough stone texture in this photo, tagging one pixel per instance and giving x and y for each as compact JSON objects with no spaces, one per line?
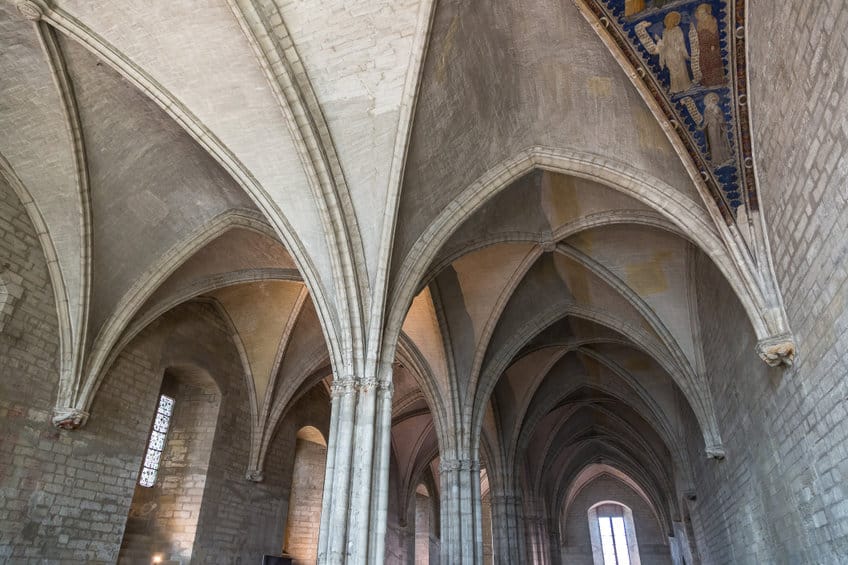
{"x":498,"y":78}
{"x":163,"y":518}
{"x":779,"y":497}
{"x":304,"y":517}
{"x":577,"y":546}
{"x":66,"y":495}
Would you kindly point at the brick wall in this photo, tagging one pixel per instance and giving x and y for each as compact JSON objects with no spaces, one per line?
{"x":63,"y":495}
{"x":577,"y":545}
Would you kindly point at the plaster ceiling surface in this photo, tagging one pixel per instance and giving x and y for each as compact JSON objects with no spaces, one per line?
{"x":196,"y":54}
{"x":262,"y":313}
{"x":238,"y":250}
{"x":151,"y":185}
{"x":500,"y":78}
{"x":358,"y":55}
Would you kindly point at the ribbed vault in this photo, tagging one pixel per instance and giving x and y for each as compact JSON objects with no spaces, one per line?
{"x":470,"y":220}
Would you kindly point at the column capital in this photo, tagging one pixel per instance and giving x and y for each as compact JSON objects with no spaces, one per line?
{"x":343,"y":386}
{"x":446,"y":465}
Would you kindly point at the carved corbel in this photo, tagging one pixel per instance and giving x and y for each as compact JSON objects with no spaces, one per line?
{"x":715,"y":452}
{"x":69,"y":418}
{"x":254,"y":475}
{"x":777,"y":351}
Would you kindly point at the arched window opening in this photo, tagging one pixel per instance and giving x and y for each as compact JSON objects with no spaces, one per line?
{"x":156,"y":442}
{"x":613,"y":534}
{"x":307,"y":491}
{"x":486,"y":505}
{"x":422,"y":525}
{"x":165,"y":510}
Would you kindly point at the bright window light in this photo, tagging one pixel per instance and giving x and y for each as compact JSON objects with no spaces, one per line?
{"x":156,"y":444}
{"x":614,"y":540}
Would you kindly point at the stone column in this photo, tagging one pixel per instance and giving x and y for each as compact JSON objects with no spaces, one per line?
{"x":554,"y":543}
{"x":353,"y":517}
{"x":508,"y":518}
{"x":536,"y":536}
{"x":462,"y":524}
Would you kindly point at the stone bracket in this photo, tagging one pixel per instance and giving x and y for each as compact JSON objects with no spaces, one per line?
{"x":67,"y":418}
{"x":715,"y":452}
{"x":778,"y":351}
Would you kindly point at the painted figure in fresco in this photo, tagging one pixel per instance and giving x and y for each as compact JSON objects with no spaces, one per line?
{"x":633,"y":7}
{"x":709,"y":55}
{"x":715,"y":127}
{"x":674,"y":54}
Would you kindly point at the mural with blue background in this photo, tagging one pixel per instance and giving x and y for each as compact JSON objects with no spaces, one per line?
{"x":684,"y":44}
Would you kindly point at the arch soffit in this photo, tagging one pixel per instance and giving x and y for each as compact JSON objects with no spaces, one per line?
{"x":656,"y":502}
{"x":412,"y":358}
{"x":673,"y":205}
{"x":593,"y":472}
{"x":697,"y":395}
{"x":105,"y":341}
{"x":606,"y":275}
{"x":681,"y":361}
{"x":645,"y":455}
{"x":621,"y":461}
{"x":109,"y":54}
{"x":536,"y":408}
{"x":597,"y":269}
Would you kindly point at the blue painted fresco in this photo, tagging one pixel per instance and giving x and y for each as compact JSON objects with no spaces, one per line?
{"x":684,"y":44}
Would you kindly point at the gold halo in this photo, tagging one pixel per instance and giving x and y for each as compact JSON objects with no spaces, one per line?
{"x":672,"y":19}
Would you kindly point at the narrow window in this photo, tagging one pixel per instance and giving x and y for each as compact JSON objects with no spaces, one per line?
{"x":156,"y":445}
{"x":614,"y":540}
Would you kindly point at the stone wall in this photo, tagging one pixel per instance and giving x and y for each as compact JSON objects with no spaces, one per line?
{"x":779,"y":497}
{"x":422,"y":529}
{"x":163,"y":518}
{"x":577,"y":545}
{"x":243,"y":520}
{"x":65,"y":495}
{"x":304,"y":516}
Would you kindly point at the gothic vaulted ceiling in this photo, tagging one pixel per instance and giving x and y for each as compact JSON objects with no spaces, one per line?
{"x":507,"y":200}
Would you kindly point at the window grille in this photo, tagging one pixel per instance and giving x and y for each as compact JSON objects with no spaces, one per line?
{"x":156,"y":444}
